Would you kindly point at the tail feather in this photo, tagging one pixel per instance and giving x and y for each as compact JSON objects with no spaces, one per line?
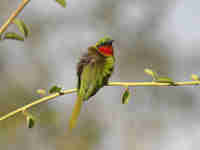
{"x":75,"y":113}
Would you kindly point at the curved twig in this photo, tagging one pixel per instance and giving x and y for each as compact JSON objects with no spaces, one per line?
{"x":126,"y":84}
{"x":13,"y":16}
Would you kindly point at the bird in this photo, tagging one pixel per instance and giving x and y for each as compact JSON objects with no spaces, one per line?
{"x":93,"y":71}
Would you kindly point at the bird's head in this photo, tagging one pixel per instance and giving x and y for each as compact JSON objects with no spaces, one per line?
{"x":104,"y":46}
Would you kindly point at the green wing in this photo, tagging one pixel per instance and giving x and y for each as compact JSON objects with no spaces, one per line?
{"x":94,"y":76}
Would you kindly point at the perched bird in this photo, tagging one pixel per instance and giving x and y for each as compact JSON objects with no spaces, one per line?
{"x":93,"y":71}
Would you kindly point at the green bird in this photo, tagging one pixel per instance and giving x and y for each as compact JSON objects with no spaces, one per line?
{"x":93,"y":71}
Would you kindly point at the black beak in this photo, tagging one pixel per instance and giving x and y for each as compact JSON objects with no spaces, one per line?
{"x":110,"y":42}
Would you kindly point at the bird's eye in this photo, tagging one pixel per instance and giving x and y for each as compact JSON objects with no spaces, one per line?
{"x":103,"y":43}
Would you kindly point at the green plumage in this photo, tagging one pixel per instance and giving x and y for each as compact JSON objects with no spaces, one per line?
{"x":95,"y":74}
{"x":93,"y":71}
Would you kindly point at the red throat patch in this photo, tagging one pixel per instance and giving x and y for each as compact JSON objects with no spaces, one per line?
{"x":106,"y":50}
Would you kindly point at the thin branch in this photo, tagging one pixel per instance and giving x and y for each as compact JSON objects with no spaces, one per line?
{"x":144,"y":84}
{"x":125,"y":84}
{"x":13,"y":16}
{"x":39,"y":101}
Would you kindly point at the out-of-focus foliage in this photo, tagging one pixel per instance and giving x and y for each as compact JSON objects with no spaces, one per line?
{"x":55,"y":89}
{"x":163,"y":35}
{"x":41,"y":92}
{"x":152,"y":73}
{"x":30,"y":120}
{"x":22,"y":27}
{"x":62,"y":3}
{"x":13,"y":36}
{"x":126,"y":96}
{"x":195,"y":77}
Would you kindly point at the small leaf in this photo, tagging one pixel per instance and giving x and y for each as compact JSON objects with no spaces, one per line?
{"x":126,"y":96}
{"x":165,"y":80}
{"x":195,"y":77}
{"x":62,"y":3}
{"x":55,"y":89}
{"x":22,"y":27}
{"x":151,"y":73}
{"x":13,"y":36}
{"x":30,"y":121}
{"x":41,"y":92}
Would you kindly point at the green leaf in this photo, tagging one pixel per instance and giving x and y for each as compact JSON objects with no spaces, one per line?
{"x":13,"y":36}
{"x":30,"y":120}
{"x":22,"y":27}
{"x":41,"y":92}
{"x":62,"y":3}
{"x":126,"y":96}
{"x":195,"y":77}
{"x":165,"y":80}
{"x":151,"y":73}
{"x":55,"y":89}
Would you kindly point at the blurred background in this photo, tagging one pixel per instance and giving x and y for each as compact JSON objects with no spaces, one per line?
{"x":159,"y":34}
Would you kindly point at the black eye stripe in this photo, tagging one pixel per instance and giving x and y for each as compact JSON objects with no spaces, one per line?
{"x":106,"y":43}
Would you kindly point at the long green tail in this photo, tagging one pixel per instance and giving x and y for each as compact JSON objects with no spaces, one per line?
{"x":75,"y":113}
